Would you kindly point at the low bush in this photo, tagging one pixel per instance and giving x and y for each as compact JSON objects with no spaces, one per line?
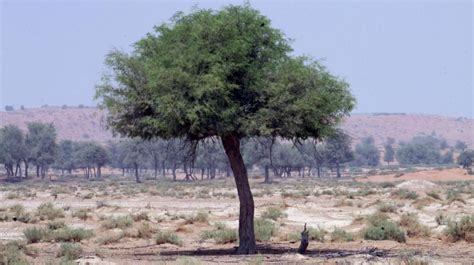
{"x":34,"y":235}
{"x":200,"y":217}
{"x":385,"y":230}
{"x":387,"y":207}
{"x":461,"y":230}
{"x":264,"y":229}
{"x":82,"y":214}
{"x":117,"y":222}
{"x":410,"y":222}
{"x":340,"y":235}
{"x":145,"y":230}
{"x":273,"y":212}
{"x":55,"y":225}
{"x":163,"y":237}
{"x":68,"y":234}
{"x":405,"y":194}
{"x":110,"y":238}
{"x":13,"y":253}
{"x":221,"y":234}
{"x":70,"y":251}
{"x":47,"y":211}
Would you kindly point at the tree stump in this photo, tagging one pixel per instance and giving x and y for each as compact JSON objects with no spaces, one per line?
{"x":304,"y":241}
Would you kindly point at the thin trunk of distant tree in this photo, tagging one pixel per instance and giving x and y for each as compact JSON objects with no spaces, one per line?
{"x":136,"y":172}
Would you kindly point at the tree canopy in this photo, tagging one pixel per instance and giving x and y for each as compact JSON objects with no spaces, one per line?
{"x":214,"y":73}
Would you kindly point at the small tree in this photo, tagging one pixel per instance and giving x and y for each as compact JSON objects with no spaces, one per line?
{"x":366,"y":153}
{"x":389,"y":154}
{"x":466,"y":158}
{"x":41,"y":142}
{"x":65,"y":156}
{"x":12,"y":149}
{"x":337,"y":150}
{"x":225,"y":74}
{"x":460,"y":145}
{"x":420,"y":150}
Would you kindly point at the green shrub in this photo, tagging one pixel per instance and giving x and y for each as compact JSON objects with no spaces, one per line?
{"x":68,"y":234}
{"x":385,"y":230}
{"x":387,"y":207}
{"x":70,"y":251}
{"x":405,"y":194}
{"x":110,"y":238}
{"x":200,"y":217}
{"x":117,"y":222}
{"x":145,"y":230}
{"x":55,"y":225}
{"x":82,"y":214}
{"x":273,"y":212}
{"x":464,"y":229}
{"x":377,"y":218}
{"x":34,"y":235}
{"x":46,"y":211}
{"x":264,"y":229}
{"x":163,"y":237}
{"x":221,"y":235}
{"x":413,"y":227}
{"x":13,"y":253}
{"x":316,"y":234}
{"x":339,"y":235}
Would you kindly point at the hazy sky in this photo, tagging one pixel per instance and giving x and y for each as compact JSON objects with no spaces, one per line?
{"x":398,"y":56}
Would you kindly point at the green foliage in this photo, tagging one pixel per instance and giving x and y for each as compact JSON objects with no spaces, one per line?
{"x":387,"y":207}
{"x":340,"y":235}
{"x":68,"y":234}
{"x":55,"y":225}
{"x":219,"y":73}
{"x":389,"y":154}
{"x":366,"y":153}
{"x":461,"y":230}
{"x":163,"y":237}
{"x":420,"y":150}
{"x":70,"y":251}
{"x":118,"y":222}
{"x":387,"y":231}
{"x":221,"y":235}
{"x":47,"y":211}
{"x":413,"y":227}
{"x":273,"y":212}
{"x":12,"y":148}
{"x":466,"y":158}
{"x":34,"y":235}
{"x":264,"y":229}
{"x":405,"y":194}
{"x":13,"y":253}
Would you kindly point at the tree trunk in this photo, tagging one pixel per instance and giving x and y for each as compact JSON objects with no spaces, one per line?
{"x":247,"y":243}
{"x":99,"y":172}
{"x":267,"y":175}
{"x":338,"y":170}
{"x":26,"y":168}
{"x":174,"y":171}
{"x":137,"y":178}
{"x":37,"y":171}
{"x":163,"y":168}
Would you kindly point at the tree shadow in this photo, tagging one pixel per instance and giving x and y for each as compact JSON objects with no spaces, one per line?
{"x":281,"y":250}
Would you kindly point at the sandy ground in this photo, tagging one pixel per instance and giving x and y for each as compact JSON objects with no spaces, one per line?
{"x":321,"y":204}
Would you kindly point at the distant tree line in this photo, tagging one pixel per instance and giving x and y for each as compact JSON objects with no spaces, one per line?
{"x":38,"y":148}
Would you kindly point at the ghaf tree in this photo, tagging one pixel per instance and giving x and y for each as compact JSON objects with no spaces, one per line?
{"x":225,"y":74}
